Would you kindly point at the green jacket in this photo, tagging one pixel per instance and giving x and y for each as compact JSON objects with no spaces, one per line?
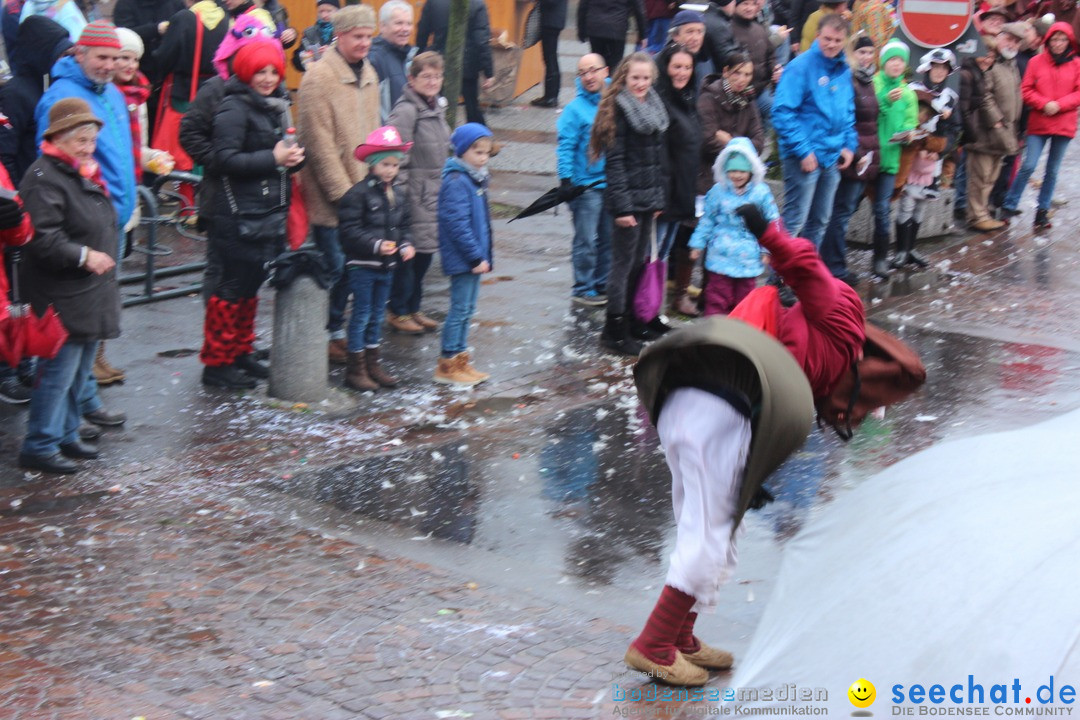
{"x":894,"y":117}
{"x":720,"y":351}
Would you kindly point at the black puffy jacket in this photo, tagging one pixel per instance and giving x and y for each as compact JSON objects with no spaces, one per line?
{"x":366,"y":217}
{"x":247,"y":126}
{"x":636,"y":177}
{"x":39,"y":44}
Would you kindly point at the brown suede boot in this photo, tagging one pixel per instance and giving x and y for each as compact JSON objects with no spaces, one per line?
{"x":684,"y":270}
{"x":356,"y":374}
{"x":104,"y":373}
{"x":467,"y":366}
{"x":404,"y":324}
{"x":338,"y":351}
{"x":425,"y":322}
{"x":375,"y":372}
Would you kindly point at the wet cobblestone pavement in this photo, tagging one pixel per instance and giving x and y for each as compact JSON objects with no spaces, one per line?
{"x":423,"y":553}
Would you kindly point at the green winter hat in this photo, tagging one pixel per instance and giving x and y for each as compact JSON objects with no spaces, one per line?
{"x":737,"y":161}
{"x":895,"y":49}
{"x":376,"y":157}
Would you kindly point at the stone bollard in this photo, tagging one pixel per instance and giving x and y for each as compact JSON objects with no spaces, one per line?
{"x":298,"y":362}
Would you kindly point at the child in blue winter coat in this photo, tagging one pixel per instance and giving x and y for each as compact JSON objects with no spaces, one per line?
{"x":733,"y":258}
{"x":465,"y":247}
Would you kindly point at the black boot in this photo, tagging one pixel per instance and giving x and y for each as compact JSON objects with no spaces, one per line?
{"x":643,"y":331}
{"x":913,"y":258}
{"x":227,"y":376}
{"x":900,"y":256}
{"x":1042,"y":219}
{"x":880,"y":264}
{"x":616,"y":336}
{"x":249,"y":365}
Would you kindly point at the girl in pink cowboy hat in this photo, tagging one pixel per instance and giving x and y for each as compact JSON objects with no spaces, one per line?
{"x":373,"y":224}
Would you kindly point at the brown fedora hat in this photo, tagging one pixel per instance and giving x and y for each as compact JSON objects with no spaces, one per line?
{"x":67,"y":114}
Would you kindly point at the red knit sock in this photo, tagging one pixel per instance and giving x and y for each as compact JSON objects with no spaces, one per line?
{"x":657,"y":641}
{"x":687,"y":643}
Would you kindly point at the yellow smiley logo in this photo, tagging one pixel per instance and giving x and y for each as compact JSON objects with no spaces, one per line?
{"x":862,"y":693}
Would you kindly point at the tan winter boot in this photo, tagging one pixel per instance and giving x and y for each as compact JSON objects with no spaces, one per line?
{"x":104,"y":373}
{"x":467,"y":366}
{"x":337,"y":351}
{"x":404,"y":324}
{"x":425,"y":322}
{"x":451,"y":371}
{"x":375,"y":372}
{"x":356,"y":374}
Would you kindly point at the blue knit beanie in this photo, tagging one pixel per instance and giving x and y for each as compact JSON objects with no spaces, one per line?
{"x":738,"y":161}
{"x":464,"y":137}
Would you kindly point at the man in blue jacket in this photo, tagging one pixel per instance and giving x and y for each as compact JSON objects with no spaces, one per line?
{"x":814,"y":116}
{"x":88,"y":76}
{"x":592,"y":224}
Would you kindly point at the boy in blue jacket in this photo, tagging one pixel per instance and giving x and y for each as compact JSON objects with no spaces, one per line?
{"x":465,"y":247}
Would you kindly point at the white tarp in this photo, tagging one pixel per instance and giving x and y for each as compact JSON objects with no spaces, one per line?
{"x":961,"y":560}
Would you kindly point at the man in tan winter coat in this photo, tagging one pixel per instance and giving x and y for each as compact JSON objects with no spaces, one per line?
{"x":338,"y":106}
{"x":999,"y":113}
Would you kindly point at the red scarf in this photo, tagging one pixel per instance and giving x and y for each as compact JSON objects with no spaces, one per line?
{"x":135,"y":95}
{"x":90,"y":171}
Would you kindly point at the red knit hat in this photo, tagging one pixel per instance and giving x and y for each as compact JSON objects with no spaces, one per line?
{"x":252,"y":58}
{"x":100,"y":33}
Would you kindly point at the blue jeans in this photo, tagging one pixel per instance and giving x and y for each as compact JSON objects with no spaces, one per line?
{"x":764,"y":105}
{"x":464,"y":289}
{"x":407,"y":289}
{"x":960,"y":183}
{"x":808,"y":199}
{"x":370,"y":288}
{"x":326,"y":239}
{"x":883,"y":190}
{"x":834,"y":244}
{"x":591,"y":250}
{"x":54,"y":404}
{"x":1035,"y":145}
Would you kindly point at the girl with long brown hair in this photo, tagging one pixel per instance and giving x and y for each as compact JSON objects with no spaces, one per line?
{"x":630,"y":130}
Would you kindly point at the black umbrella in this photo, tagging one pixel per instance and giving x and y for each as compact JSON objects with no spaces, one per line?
{"x":553,"y":197}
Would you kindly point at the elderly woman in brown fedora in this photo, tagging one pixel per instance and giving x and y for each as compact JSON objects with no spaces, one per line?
{"x":71,"y":266}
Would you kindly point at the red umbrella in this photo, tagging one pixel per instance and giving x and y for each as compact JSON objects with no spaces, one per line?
{"x":23,"y":334}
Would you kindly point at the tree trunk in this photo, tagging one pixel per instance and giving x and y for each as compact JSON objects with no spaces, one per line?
{"x":455,"y":57}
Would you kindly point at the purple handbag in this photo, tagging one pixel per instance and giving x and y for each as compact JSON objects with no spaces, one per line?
{"x":651,"y":285}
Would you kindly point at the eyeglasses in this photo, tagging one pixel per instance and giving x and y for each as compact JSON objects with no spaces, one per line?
{"x":429,"y":76}
{"x":590,"y":71}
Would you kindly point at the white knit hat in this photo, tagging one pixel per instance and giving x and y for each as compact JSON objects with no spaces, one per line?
{"x":130,"y":42}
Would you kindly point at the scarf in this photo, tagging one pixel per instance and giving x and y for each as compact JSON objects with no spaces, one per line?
{"x":1063,"y":57}
{"x":865,"y":75}
{"x":479,"y":175}
{"x":738,"y":100}
{"x":646,"y":117}
{"x":89,"y":170}
{"x":325,"y":28}
{"x":136,"y":95}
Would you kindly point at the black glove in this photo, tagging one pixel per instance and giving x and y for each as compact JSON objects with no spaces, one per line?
{"x":566,"y":189}
{"x":11,"y":214}
{"x":754,"y":220}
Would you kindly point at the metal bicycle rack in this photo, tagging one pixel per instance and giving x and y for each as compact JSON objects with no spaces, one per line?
{"x":152,"y":220}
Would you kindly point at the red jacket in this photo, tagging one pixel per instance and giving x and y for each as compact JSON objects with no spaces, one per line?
{"x":1044,"y":80}
{"x":826,"y":329}
{"x":12,"y":237}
